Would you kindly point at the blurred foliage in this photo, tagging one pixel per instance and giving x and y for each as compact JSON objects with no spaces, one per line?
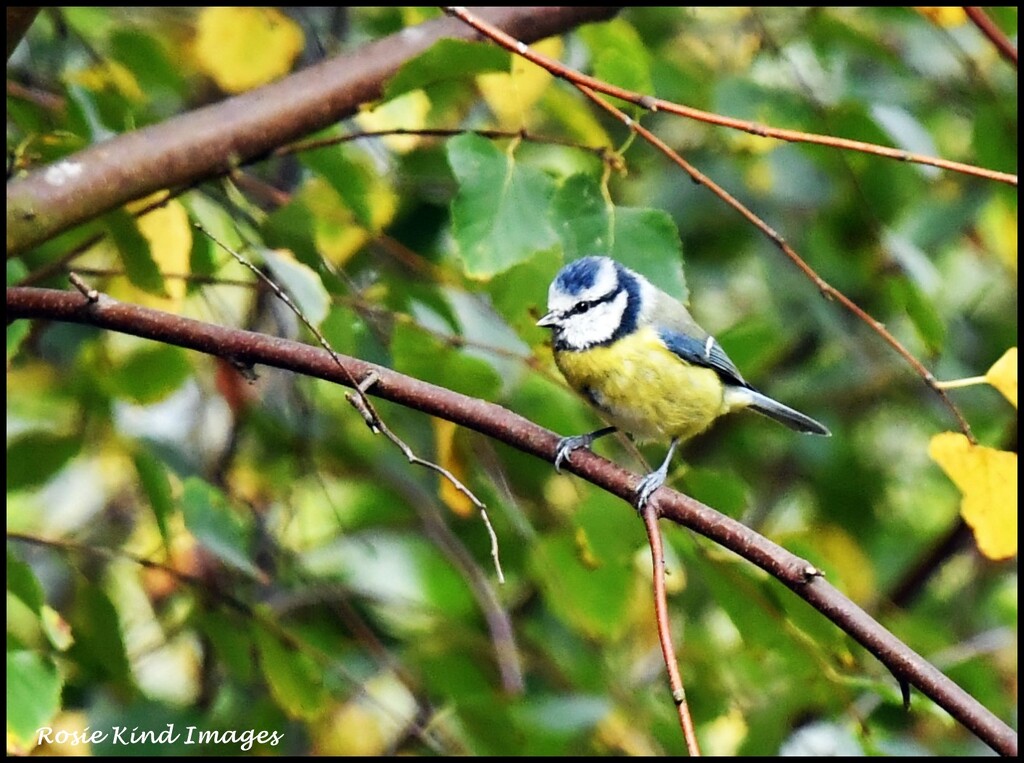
{"x":248,"y":559}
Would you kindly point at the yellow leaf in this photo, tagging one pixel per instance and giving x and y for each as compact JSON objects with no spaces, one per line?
{"x":169,"y":234}
{"x":511,"y":95}
{"x":170,"y":242}
{"x":997,"y":229}
{"x":109,"y":75}
{"x":448,"y":458}
{"x":1003,"y":375}
{"x":408,"y":111}
{"x":243,"y":48}
{"x":988,"y":480}
{"x":944,"y":17}
{"x":371,"y":723}
{"x":620,"y":732}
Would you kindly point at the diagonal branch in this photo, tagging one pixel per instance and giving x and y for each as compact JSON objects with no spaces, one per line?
{"x":213,"y":140}
{"x":675,"y":680}
{"x":578,"y":79}
{"x":988,"y":28}
{"x":522,"y":434}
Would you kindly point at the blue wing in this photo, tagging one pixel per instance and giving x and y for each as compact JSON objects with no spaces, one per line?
{"x":702,"y":352}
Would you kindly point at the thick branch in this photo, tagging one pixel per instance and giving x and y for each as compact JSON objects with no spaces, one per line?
{"x":18,"y":22}
{"x":495,"y":421}
{"x":212,"y":140}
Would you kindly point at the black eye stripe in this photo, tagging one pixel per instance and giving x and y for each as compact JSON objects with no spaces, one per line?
{"x":586,"y":304}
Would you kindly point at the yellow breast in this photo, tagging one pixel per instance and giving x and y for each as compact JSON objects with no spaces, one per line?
{"x":644,"y":388}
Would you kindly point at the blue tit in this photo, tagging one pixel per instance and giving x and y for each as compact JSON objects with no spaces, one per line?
{"x":637,"y":355}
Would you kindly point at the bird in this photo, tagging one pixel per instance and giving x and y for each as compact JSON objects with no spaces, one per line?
{"x":637,"y":355}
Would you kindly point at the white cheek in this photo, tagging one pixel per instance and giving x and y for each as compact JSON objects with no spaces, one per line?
{"x":596,"y":325}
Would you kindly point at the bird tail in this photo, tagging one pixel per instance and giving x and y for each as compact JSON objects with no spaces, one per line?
{"x":783,"y":414}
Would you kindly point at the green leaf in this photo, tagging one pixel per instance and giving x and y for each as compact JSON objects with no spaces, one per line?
{"x":157,"y":487}
{"x":56,"y":628}
{"x":301,"y":284}
{"x":500,"y":216}
{"x":33,"y":695}
{"x":205,"y":254}
{"x":209,"y":517}
{"x":520,"y":294}
{"x":415,"y":586}
{"x":34,"y":457}
{"x":134,"y":251}
{"x":425,"y":357}
{"x":22,"y":583}
{"x":721,"y":490}
{"x":645,"y":240}
{"x":295,"y":681}
{"x":446,"y":60}
{"x":907,"y":133}
{"x":611,"y":533}
{"x":591,"y":599}
{"x":921,"y":311}
{"x":99,"y":642}
{"x":233,"y":644}
{"x":349,"y":172}
{"x":16,"y":333}
{"x":619,"y":56}
{"x":151,"y":373}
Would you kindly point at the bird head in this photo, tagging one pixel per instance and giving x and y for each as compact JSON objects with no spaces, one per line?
{"x":592,"y":301}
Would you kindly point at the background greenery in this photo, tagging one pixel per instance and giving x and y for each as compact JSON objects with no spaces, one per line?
{"x":303,"y":578}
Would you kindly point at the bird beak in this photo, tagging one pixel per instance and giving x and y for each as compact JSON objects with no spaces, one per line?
{"x":549,"y":320}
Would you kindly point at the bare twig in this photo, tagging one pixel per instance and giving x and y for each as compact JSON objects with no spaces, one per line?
{"x":578,"y":79}
{"x":18,"y":22}
{"x":589,"y":87}
{"x":601,"y":152}
{"x":360,"y":402}
{"x":675,"y":679}
{"x":203,"y":588}
{"x":776,"y":238}
{"x":522,"y":434}
{"x":87,"y":291}
{"x":988,"y":28}
{"x":215,"y":139}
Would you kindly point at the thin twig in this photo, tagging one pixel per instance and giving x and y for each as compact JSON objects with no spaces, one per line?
{"x":270,"y":622}
{"x":675,"y":679}
{"x":362,"y":403}
{"x":988,"y":28}
{"x":589,"y":87}
{"x":376,"y":424}
{"x":504,"y":425}
{"x":826,"y":289}
{"x":602,"y":152}
{"x":650,"y":103}
{"x":87,"y":291}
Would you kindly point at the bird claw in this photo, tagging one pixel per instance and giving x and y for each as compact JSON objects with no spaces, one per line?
{"x":647,"y":486}
{"x":567,"y":445}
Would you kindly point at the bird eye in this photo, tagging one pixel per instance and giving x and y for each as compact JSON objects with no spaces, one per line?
{"x":582,"y":307}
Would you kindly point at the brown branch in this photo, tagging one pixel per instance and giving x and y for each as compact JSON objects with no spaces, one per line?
{"x":359,"y":401}
{"x":496,"y":617}
{"x":675,"y":680}
{"x":522,"y":434}
{"x":589,"y":87}
{"x":202,"y":587}
{"x":578,"y":79}
{"x":776,"y":238}
{"x":215,"y":139}
{"x":988,"y":28}
{"x":601,"y":152}
{"x":18,"y":22}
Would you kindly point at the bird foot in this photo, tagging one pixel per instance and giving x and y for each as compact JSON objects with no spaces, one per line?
{"x":647,"y":486}
{"x":567,"y":445}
